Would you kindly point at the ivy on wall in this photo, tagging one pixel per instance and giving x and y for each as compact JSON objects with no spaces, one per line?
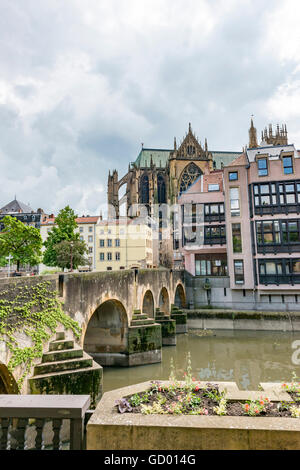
{"x":36,"y":311}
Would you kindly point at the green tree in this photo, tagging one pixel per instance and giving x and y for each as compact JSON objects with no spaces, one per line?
{"x":63,"y":231}
{"x":70,"y":254}
{"x":23,"y":242}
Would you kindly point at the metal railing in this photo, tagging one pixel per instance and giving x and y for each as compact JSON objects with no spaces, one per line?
{"x":50,"y":422}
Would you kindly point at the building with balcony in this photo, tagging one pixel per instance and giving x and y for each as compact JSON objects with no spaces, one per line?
{"x":241,"y":240}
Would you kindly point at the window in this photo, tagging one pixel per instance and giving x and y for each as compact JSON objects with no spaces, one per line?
{"x":90,"y":249}
{"x":109,"y":256}
{"x":161,"y":189}
{"x":239,"y":271}
{"x":90,"y":238}
{"x":265,"y":194}
{"x":233,"y":176}
{"x":117,"y":242}
{"x":236,"y":238}
{"x":287,"y":165}
{"x":234,"y":202}
{"x":101,"y":232}
{"x":101,"y":256}
{"x":118,"y":256}
{"x":101,"y":243}
{"x":81,"y":239}
{"x":189,"y":175}
{"x":144,"y":190}
{"x":290,"y":232}
{"x":268,"y":232}
{"x":213,"y":187}
{"x":262,"y":165}
{"x":81,"y":229}
{"x":211,"y":265}
{"x":214,"y":234}
{"x":109,"y":242}
{"x":287,"y":193}
{"x":90,"y":229}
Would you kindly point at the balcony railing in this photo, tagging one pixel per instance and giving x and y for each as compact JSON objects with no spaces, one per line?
{"x":41,"y":422}
{"x":277,"y":209}
{"x":276,"y":248}
{"x":278,"y":279}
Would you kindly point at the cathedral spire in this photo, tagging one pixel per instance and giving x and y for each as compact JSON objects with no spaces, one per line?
{"x":252,"y":136}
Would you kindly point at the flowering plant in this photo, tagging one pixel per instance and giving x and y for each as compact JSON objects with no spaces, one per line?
{"x":220,"y":410}
{"x":256,"y":407}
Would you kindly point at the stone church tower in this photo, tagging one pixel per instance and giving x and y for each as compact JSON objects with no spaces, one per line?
{"x":160,"y":176}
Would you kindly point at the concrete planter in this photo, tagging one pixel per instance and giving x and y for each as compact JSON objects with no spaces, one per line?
{"x":110,"y":430}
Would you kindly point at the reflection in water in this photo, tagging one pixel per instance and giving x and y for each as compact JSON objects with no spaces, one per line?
{"x":245,"y":357}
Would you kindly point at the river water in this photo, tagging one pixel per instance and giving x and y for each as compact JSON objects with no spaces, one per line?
{"x":244,"y":357}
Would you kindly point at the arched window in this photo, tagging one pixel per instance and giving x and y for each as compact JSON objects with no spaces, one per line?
{"x":161,"y":189}
{"x":144,"y":190}
{"x":189,"y":176}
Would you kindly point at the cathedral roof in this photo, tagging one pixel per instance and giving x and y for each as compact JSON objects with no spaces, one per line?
{"x":162,"y":156}
{"x":224,"y":158}
{"x":15,"y":207}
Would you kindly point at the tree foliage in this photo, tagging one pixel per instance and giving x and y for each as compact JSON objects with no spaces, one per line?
{"x":64,"y":231}
{"x":22,"y":242}
{"x":70,"y":254}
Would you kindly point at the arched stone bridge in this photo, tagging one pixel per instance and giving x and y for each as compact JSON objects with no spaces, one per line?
{"x":122,"y":314}
{"x":115,"y":309}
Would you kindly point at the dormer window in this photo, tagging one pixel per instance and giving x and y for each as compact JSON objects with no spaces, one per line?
{"x":287,"y":165}
{"x":262,"y":165}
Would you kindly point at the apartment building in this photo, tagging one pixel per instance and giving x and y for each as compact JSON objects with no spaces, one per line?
{"x":250,"y":256}
{"x":124,"y":244}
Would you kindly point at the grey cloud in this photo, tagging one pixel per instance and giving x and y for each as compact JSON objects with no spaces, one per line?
{"x":138,"y":82}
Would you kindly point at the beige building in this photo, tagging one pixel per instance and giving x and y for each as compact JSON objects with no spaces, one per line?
{"x":125,"y":244}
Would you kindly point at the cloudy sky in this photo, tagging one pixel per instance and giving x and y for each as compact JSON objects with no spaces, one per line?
{"x":84,"y":83}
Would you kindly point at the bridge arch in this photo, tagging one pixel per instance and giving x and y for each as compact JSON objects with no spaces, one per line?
{"x":107,"y":331}
{"x":8,"y":385}
{"x":164,"y":301}
{"x":180,"y":297}
{"x":148,"y":304}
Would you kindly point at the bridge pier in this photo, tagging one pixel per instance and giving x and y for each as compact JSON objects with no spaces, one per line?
{"x":168,"y":328}
{"x":181,"y":319}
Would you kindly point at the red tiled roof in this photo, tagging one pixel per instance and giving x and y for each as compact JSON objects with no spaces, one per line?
{"x":87,"y":220}
{"x":79,"y":220}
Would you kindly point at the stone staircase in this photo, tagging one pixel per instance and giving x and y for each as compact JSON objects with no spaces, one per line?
{"x":141,"y":319}
{"x":168,"y":328}
{"x":67,"y":369}
{"x":181,"y":319}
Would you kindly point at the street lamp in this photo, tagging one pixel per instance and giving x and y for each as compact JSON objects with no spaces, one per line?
{"x":9,"y":258}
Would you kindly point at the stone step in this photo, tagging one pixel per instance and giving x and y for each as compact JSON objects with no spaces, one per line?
{"x":149,"y":321}
{"x":162,"y":317}
{"x":54,"y":356}
{"x":61,"y":345}
{"x":141,"y":316}
{"x":60,"y":366}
